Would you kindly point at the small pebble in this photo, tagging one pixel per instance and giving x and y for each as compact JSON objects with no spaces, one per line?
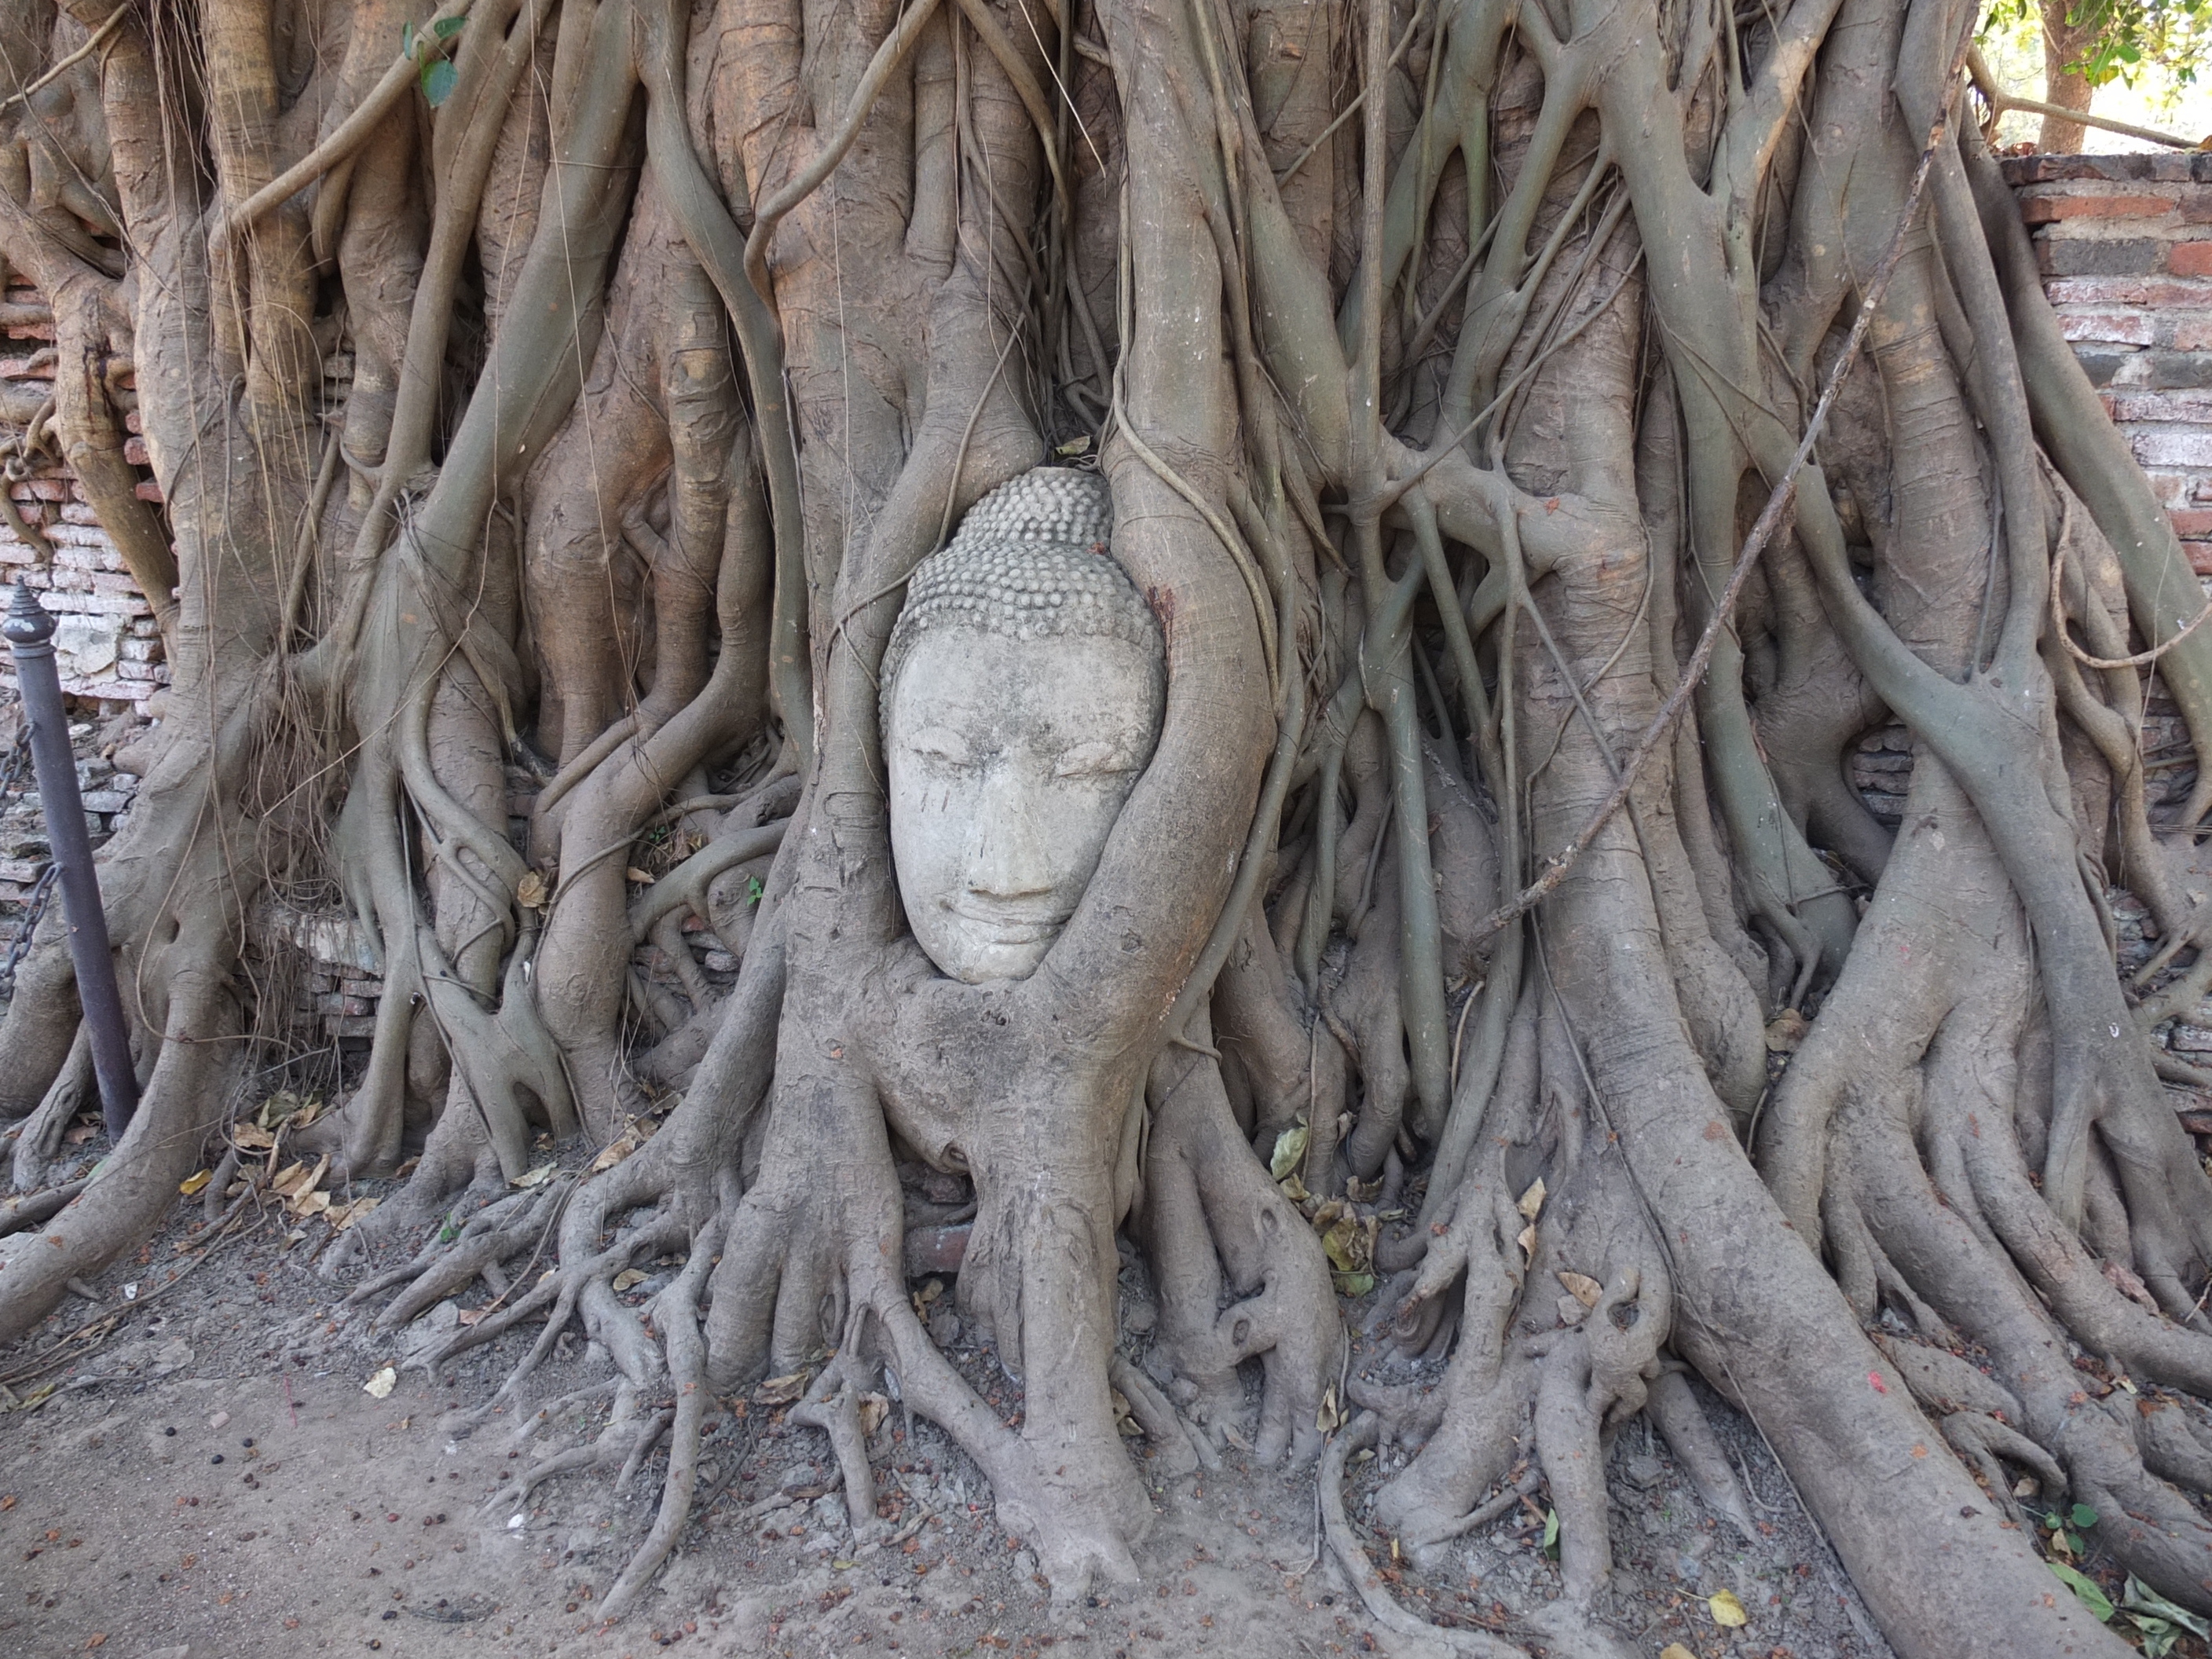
{"x":218,"y":1419}
{"x":169,"y":1431}
{"x":247,"y":1442}
{"x":217,"y":1458}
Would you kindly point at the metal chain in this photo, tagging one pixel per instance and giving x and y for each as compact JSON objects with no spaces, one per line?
{"x":14,"y":767}
{"x":35,"y":912}
{"x":15,"y":764}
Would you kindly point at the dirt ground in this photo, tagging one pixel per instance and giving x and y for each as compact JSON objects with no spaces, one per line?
{"x":209,"y":1479}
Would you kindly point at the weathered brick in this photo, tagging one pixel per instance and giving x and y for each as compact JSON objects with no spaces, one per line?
{"x":147,"y":490}
{"x":2100,"y":364}
{"x":2082,"y":255}
{"x":118,"y":604}
{"x":134,"y":450}
{"x":2171,"y":488}
{"x":2166,"y":446}
{"x":2185,"y":330}
{"x":2195,"y":521}
{"x":2189,"y":258}
{"x":2043,"y":210}
{"x":2164,"y":369}
{"x":2153,"y":291}
{"x":2110,"y":326}
{"x":2200,"y":556}
{"x":2192,"y":405}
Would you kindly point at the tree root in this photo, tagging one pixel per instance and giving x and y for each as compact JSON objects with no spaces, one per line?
{"x":1351,"y":1555}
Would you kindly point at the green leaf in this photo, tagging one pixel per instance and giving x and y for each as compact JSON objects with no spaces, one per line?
{"x":1354,"y":1284}
{"x":1552,"y":1533}
{"x":753,"y":889}
{"x":2138,"y":1597}
{"x":2085,"y":1591}
{"x":2159,"y":1637}
{"x":407,"y":40}
{"x":438,"y":81}
{"x":2082,"y":1516}
{"x":447,"y":28}
{"x":1290,"y":1147}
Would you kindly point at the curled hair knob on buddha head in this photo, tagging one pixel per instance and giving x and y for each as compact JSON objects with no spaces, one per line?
{"x":1030,"y":561}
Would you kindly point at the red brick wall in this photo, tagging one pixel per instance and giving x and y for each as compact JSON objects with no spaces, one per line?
{"x":2125,"y":246}
{"x":108,"y":648}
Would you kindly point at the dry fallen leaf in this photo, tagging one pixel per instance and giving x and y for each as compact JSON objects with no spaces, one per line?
{"x":637,"y":875}
{"x":529,"y":891}
{"x":634,"y":1134}
{"x":192,"y":1183}
{"x":252,"y":1137}
{"x":1531,"y":1203}
{"x":1527,"y":1240}
{"x":343,"y":1216}
{"x":874,"y":1407}
{"x":298,"y":1181}
{"x":7,"y":1503}
{"x":627,"y":1277}
{"x":380,"y":1386}
{"x":781,"y":1390}
{"x":1727,"y":1610}
{"x":1786,"y":1031}
{"x":539,"y":1177}
{"x":97,"y":1640}
{"x":1584,"y":1288}
{"x":1676,"y":1651}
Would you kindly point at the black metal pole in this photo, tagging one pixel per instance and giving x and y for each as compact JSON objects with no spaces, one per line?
{"x":29,"y":632}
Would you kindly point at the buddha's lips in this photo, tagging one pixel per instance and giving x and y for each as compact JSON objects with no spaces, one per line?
{"x":1011,"y":926}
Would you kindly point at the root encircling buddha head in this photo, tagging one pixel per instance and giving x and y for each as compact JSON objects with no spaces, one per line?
{"x":1023,"y":691}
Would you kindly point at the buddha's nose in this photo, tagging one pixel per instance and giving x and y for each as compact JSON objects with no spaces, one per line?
{"x":1009,"y":848}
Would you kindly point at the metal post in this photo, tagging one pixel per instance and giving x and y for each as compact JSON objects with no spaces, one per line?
{"x":29,"y":632}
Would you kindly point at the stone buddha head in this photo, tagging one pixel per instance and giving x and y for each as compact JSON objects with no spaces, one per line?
{"x":1023,"y":691}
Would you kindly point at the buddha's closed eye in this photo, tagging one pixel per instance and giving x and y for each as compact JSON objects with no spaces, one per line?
{"x":1095,"y":760}
{"x":942,"y":743}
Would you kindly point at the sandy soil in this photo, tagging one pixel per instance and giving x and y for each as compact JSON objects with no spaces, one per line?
{"x":209,"y":1480}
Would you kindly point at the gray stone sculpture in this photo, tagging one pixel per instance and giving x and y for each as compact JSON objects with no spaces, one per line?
{"x":1022,"y":695}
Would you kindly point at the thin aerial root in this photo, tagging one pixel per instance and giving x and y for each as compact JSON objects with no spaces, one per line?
{"x":1484,"y":1513}
{"x":475,"y":1251}
{"x":526,"y":1431}
{"x":1674,"y":1408}
{"x":676,"y":1314}
{"x":1351,"y":1556}
{"x":1982,"y":1441}
{"x":838,"y":1415}
{"x":33,"y":1209}
{"x":376,"y":1284}
{"x":642,"y":1448}
{"x":614,"y":1444}
{"x":1182,"y":1450}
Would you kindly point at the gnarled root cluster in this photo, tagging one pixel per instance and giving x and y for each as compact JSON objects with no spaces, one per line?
{"x":1438,"y":359}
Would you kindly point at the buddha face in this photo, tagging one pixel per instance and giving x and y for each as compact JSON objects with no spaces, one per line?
{"x":1010,"y":759}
